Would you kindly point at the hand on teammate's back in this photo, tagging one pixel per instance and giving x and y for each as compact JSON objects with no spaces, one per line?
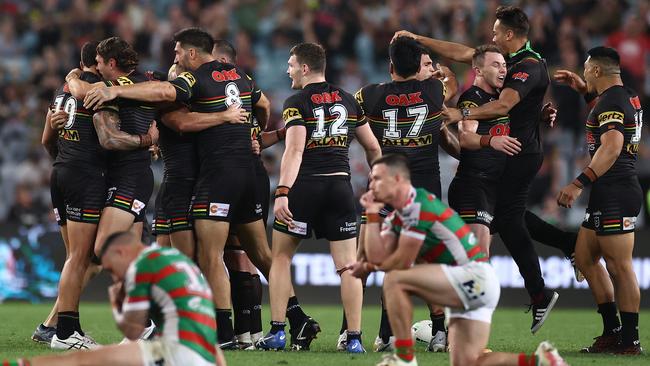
{"x":73,"y":74}
{"x":506,"y":144}
{"x":549,"y":113}
{"x":236,"y":114}
{"x":571,"y":79}
{"x":58,"y":120}
{"x":99,"y":95}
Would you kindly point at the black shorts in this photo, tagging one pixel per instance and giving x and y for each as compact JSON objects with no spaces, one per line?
{"x":263,"y":190}
{"x":473,"y":198}
{"x":130,"y":188}
{"x":227,"y":194}
{"x":160,"y":224}
{"x":613,"y":206}
{"x":429,"y":182}
{"x":78,"y":193}
{"x":324,"y":205}
{"x":173,"y":206}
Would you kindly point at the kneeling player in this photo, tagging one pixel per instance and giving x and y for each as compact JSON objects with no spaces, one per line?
{"x":451,"y":270}
{"x":161,"y":283}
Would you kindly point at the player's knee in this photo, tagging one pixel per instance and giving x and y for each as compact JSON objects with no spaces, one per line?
{"x":463,"y":358}
{"x":391,"y":281}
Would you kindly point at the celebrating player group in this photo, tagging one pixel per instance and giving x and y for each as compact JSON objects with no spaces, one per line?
{"x":174,"y":303}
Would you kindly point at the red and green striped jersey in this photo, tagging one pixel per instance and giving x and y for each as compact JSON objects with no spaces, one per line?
{"x":446,"y":238}
{"x":179,"y":300}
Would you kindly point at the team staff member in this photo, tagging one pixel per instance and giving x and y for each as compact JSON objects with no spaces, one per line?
{"x":613,"y":135}
{"x":159,"y":283}
{"x":314,"y":193}
{"x":427,"y":250}
{"x":521,"y":98}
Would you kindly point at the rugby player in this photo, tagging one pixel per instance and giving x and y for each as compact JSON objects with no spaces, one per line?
{"x":226,"y":184}
{"x":159,"y":283}
{"x":427,"y":250}
{"x":78,"y":191}
{"x":314,"y":193}
{"x":405,"y":117}
{"x":613,"y":135}
{"x":521,"y":98}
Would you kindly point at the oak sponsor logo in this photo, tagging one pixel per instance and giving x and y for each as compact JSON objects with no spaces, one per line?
{"x":291,"y":114}
{"x":610,"y":116}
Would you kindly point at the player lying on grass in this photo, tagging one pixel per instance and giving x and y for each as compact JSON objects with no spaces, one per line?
{"x":451,"y":270}
{"x":159,"y":283}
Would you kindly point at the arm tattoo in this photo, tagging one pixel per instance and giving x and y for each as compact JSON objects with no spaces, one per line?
{"x":107,"y":125}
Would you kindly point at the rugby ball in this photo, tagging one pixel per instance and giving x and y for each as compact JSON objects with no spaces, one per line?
{"x":421,"y":331}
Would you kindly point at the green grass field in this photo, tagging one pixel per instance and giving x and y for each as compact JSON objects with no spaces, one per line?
{"x":569,"y":330}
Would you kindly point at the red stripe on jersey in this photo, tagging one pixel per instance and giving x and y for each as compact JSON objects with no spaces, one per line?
{"x":144,"y":277}
{"x":462,"y":231}
{"x":474,"y":251}
{"x":197,"y":339}
{"x":428,"y":216}
{"x":165,"y":271}
{"x":434,"y":253}
{"x":123,"y":198}
{"x":615,"y":221}
{"x":182,"y":292}
{"x":206,"y":320}
{"x":153,"y":255}
{"x":138,"y":299}
{"x":179,"y":219}
{"x":199,"y":206}
{"x":91,"y":211}
{"x":446,"y":214}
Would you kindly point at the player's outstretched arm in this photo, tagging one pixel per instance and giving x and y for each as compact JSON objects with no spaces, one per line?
{"x":270,"y":138}
{"x":182,"y":120}
{"x":449,"y":142}
{"x":149,"y":91}
{"x":494,"y":109}
{"x":78,"y":88}
{"x":368,"y":142}
{"x":111,"y":138}
{"x":453,"y":51}
{"x":262,"y":110}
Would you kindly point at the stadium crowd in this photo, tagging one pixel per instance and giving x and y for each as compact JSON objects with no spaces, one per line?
{"x":40,"y":41}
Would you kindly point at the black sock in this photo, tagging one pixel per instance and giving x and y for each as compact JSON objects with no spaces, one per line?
{"x":224,"y":325}
{"x":630,"y":328}
{"x":354,"y":335}
{"x":437,"y":323}
{"x":344,"y":323}
{"x":256,"y":311}
{"x":68,"y":323}
{"x":384,"y":326}
{"x":294,"y":313}
{"x":277,"y":326}
{"x":610,"y":317}
{"x":549,"y":235}
{"x":241,"y":289}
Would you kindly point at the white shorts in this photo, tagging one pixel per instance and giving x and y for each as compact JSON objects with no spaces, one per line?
{"x":169,"y":353}
{"x":478,"y":287}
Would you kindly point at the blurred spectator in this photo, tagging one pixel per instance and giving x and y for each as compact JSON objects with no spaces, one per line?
{"x":27,"y":211}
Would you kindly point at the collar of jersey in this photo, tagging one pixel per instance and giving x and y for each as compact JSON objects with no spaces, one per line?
{"x":525,"y":48}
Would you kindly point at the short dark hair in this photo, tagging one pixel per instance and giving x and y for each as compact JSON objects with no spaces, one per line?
{"x":195,"y":37}
{"x":88,"y":54}
{"x":121,"y":51}
{"x":310,"y":54}
{"x":606,"y":57}
{"x":514,"y":18}
{"x":405,"y":54}
{"x":394,"y":162}
{"x":479,"y":53}
{"x":114,"y":239}
{"x":225,"y":47}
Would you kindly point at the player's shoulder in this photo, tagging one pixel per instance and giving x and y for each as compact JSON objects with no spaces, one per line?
{"x":616,"y":96}
{"x":90,"y":77}
{"x":472,"y":97}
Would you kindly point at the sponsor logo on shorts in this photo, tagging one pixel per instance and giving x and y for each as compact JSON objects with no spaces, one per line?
{"x":137,"y":206}
{"x":73,"y":213}
{"x":258,"y":208}
{"x":111,"y":191}
{"x":298,"y":228}
{"x":485,"y":216}
{"x":350,"y":227}
{"x":629,"y":223}
{"x":56,"y":214}
{"x":219,"y":209}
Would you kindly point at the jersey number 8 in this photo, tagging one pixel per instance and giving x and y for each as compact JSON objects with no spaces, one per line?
{"x":232,"y":94}
{"x":70,"y":107}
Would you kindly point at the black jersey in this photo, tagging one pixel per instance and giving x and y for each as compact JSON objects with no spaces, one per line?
{"x":618,"y":108}
{"x":77,"y":142}
{"x":178,"y":153}
{"x":486,"y":162}
{"x":528,"y":75}
{"x":405,"y":117}
{"x":213,"y":87}
{"x":135,"y":119}
{"x":330,"y":116}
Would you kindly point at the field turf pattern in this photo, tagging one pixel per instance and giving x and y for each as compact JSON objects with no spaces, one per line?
{"x":569,"y":330}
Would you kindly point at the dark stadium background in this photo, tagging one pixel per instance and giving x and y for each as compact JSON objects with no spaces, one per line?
{"x":40,"y":41}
